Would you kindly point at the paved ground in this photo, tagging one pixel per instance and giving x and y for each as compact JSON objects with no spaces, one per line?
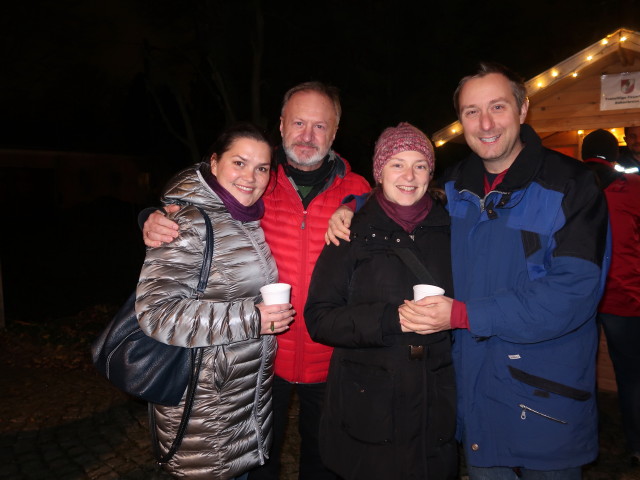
{"x":70,"y":424}
{"x":60,"y":421}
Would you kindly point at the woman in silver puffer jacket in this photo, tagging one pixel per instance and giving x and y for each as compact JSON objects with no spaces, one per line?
{"x":229,"y":431}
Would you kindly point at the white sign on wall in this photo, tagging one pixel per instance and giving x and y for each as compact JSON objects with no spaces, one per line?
{"x":619,"y":91}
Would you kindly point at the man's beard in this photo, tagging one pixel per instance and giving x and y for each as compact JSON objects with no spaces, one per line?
{"x":314,"y":160}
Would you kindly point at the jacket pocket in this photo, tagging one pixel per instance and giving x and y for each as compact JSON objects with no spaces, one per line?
{"x":220,"y":370}
{"x":526,"y":409}
{"x":549,"y":385}
{"x":366,"y":402}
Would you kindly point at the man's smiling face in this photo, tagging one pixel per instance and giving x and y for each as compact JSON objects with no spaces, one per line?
{"x":491,"y":119}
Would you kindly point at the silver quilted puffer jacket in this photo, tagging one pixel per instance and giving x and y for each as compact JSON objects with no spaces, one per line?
{"x":229,"y":430}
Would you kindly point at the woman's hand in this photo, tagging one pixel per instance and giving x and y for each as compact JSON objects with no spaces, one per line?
{"x":275,"y":318}
{"x":428,"y":315}
{"x":158,"y":229}
{"x":339,"y":224}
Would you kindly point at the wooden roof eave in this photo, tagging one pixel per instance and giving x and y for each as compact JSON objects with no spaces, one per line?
{"x":550,"y":80}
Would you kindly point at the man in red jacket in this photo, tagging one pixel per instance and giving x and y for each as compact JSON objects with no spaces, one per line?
{"x":306,"y":188}
{"x":619,"y":309}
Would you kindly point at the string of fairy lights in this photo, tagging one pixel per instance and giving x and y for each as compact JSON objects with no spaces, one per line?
{"x":569,"y":68}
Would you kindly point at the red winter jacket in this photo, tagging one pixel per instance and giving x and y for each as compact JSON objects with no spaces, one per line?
{"x":622,"y":291}
{"x":296,"y":238}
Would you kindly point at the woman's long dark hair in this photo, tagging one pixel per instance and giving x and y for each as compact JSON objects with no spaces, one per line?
{"x":231,"y":134}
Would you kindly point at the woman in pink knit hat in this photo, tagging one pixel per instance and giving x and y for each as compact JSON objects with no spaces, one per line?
{"x":389,"y":409}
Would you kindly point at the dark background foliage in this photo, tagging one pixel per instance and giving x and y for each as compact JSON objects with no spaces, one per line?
{"x":158,"y":79}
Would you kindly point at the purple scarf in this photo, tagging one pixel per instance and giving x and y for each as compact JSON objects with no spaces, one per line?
{"x":408,"y":217}
{"x":236,"y":209}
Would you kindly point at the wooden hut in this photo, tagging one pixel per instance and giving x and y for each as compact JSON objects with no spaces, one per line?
{"x":565,"y":101}
{"x":592,"y":89}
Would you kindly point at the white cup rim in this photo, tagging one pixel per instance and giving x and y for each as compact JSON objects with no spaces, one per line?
{"x":433,"y":290}
{"x":276,"y":286}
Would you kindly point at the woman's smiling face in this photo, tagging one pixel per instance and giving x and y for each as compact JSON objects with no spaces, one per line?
{"x":243,"y":170}
{"x":405,"y":177}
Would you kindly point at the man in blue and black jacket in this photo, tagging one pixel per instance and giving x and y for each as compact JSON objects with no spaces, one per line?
{"x":530,"y":251}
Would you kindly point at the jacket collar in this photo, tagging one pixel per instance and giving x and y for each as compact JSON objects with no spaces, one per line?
{"x":372,"y":214}
{"x":520,"y":174}
{"x":605,"y":173}
{"x":339,"y":168}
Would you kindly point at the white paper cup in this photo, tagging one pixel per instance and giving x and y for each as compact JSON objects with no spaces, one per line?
{"x":276,"y":293}
{"x":423,"y":290}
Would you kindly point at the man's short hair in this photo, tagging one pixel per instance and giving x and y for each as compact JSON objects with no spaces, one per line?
{"x":328,"y":91}
{"x":485,"y":68}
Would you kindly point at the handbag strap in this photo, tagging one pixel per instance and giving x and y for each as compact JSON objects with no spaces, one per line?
{"x":195,"y":358}
{"x":415,"y":265}
{"x":196,"y":364}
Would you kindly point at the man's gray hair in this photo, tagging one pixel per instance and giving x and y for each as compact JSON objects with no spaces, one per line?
{"x":328,"y":91}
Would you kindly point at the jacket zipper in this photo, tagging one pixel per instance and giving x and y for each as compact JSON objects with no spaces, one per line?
{"x":481,"y":200}
{"x":256,"y":401}
{"x":523,"y":415}
{"x":256,"y":247}
{"x":300,"y":338}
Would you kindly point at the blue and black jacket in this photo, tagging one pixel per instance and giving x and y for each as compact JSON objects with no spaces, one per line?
{"x":529,"y":261}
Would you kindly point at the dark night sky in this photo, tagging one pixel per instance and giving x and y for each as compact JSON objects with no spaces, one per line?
{"x":75,"y":72}
{"x":132,"y":76}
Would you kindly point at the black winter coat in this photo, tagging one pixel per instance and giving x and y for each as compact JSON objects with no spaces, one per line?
{"x":385,"y":415}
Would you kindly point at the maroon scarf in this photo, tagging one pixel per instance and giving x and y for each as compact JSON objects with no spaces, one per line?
{"x":236,"y":209}
{"x":408,"y":217}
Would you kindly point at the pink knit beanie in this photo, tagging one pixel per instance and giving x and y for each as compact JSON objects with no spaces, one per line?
{"x":405,"y":137}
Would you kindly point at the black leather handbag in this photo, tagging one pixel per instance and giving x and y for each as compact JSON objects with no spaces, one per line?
{"x":141,"y":366}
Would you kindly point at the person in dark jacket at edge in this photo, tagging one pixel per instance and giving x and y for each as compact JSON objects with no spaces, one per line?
{"x":530,"y":250}
{"x":629,"y":159}
{"x":619,"y":309}
{"x":389,"y":411}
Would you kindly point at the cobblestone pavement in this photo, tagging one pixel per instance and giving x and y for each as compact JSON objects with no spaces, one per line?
{"x":59,"y":420}
{"x":71,"y":424}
